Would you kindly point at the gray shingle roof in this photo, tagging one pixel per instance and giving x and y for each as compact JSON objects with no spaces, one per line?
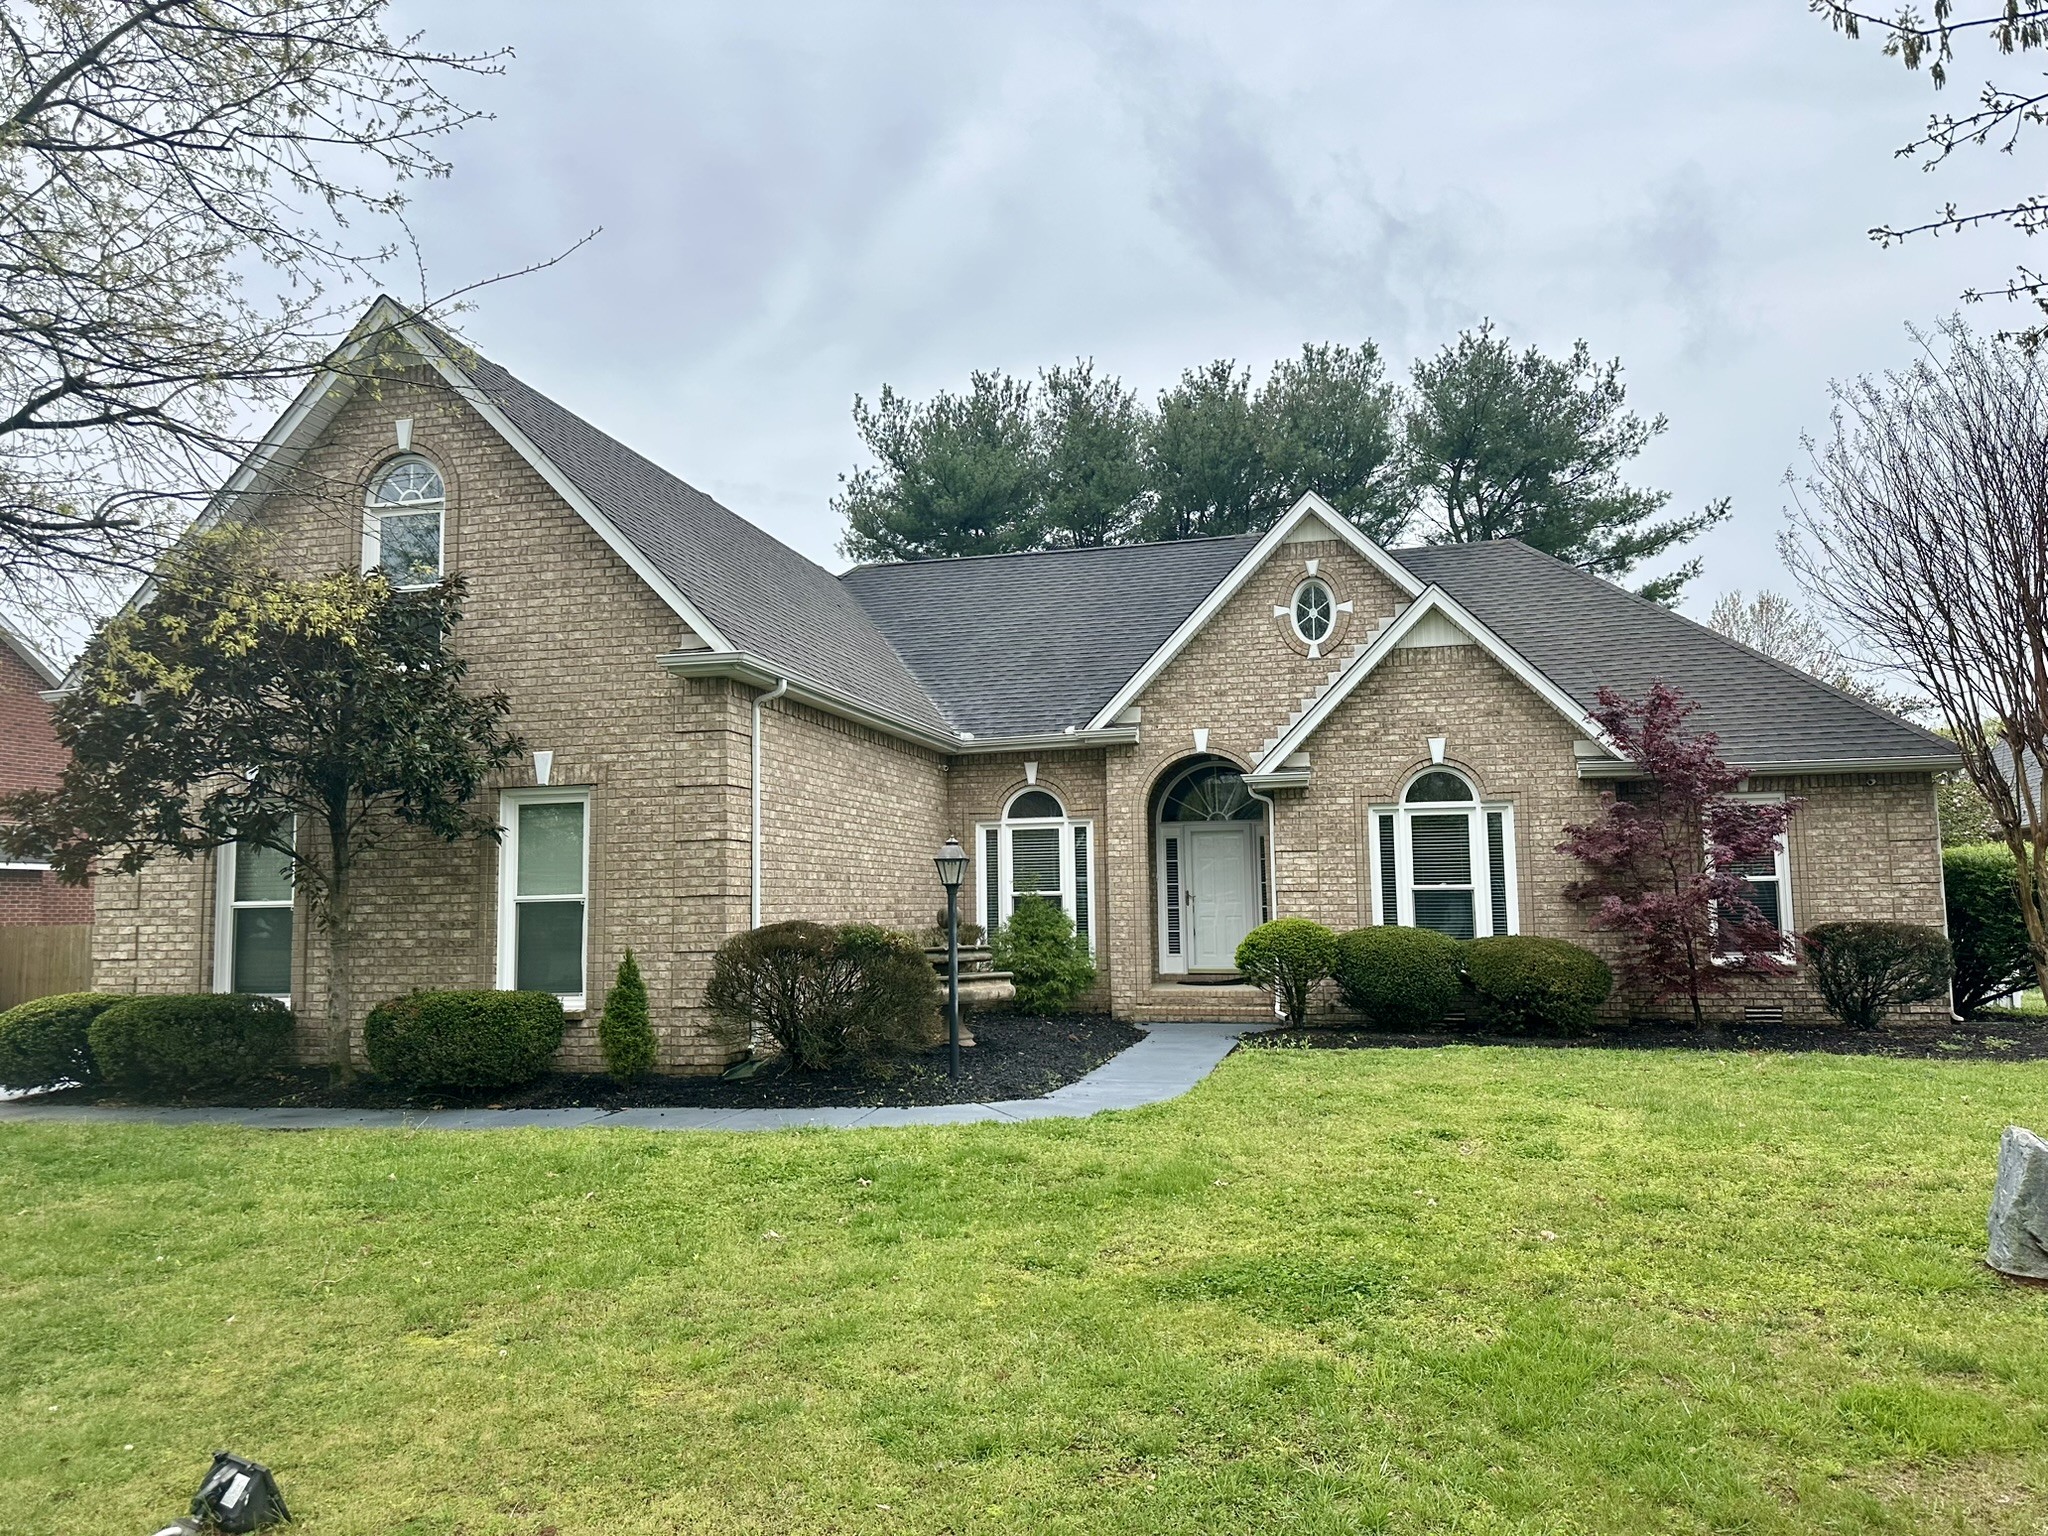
{"x":1582,"y":632}
{"x":764,"y":596}
{"x":2004,"y":756}
{"x":1012,"y":644}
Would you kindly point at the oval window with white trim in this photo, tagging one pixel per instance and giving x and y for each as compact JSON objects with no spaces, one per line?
{"x":1315,"y":611}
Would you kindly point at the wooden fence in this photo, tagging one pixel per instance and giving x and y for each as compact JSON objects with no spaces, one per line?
{"x":35,"y":962}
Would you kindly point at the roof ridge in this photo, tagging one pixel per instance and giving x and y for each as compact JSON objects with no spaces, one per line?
{"x":1068,"y":549}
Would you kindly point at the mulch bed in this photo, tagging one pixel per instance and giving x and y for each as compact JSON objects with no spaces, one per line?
{"x":1012,"y":1058}
{"x":2006,"y":1037}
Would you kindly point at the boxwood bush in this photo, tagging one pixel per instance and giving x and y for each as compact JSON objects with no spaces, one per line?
{"x":1985,"y":929}
{"x":1400,"y":978}
{"x":1047,"y":960}
{"x":179,"y":1042}
{"x":1288,"y":957}
{"x":1865,"y":970}
{"x":1536,"y":985}
{"x":825,"y":995}
{"x":43,"y":1041}
{"x":463,"y":1039}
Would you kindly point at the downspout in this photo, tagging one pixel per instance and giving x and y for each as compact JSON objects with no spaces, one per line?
{"x":754,"y":896}
{"x":1272,"y":865}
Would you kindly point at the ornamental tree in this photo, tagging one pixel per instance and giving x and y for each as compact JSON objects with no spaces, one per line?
{"x":1664,"y":860}
{"x":311,"y":717}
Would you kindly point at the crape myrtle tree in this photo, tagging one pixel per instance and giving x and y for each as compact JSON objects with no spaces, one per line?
{"x":1507,"y":444}
{"x":2000,"y":116}
{"x":1923,"y":526}
{"x":185,"y":186}
{"x":1664,"y":860}
{"x":234,"y":703}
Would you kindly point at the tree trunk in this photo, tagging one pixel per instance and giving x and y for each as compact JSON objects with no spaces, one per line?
{"x":340,"y":1031}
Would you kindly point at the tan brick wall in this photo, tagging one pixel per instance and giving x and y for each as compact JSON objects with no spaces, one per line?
{"x":560,"y":623}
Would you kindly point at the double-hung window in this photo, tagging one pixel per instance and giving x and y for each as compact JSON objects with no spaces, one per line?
{"x":1443,"y":860}
{"x":544,"y":893}
{"x":403,"y":519}
{"x":252,"y":944}
{"x":1037,"y":850}
{"x":1770,"y":878}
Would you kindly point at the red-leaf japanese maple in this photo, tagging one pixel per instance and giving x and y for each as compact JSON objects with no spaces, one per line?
{"x":1663,"y":861}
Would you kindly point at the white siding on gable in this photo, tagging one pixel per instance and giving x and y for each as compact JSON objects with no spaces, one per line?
{"x":1435,"y":628}
{"x":1311,"y":530}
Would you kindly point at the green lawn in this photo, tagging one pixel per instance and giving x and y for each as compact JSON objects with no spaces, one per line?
{"x":1462,"y":1290}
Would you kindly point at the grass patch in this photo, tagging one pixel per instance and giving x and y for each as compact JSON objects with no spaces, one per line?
{"x":1407,"y":1291}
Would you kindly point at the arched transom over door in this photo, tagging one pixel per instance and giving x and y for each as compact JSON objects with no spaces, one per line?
{"x":1210,"y":844}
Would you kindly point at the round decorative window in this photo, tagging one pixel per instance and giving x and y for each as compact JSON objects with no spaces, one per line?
{"x":1315,"y":611}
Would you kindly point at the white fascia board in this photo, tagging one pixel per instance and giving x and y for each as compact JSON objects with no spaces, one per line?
{"x":566,"y":488}
{"x":1310,"y":505}
{"x":1049,"y":741}
{"x":756,"y":671}
{"x":1433,"y":600}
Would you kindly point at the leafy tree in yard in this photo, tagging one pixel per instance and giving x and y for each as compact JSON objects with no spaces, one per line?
{"x":1089,"y":432}
{"x":959,"y":475}
{"x":311,"y":717}
{"x":183,"y":183}
{"x":1663,"y":861}
{"x":1520,"y":445}
{"x":1924,"y":529}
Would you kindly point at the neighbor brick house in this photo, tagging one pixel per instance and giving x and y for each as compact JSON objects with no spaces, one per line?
{"x":31,"y":758}
{"x":1173,"y":740}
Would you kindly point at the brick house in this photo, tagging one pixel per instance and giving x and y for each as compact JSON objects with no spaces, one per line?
{"x":30,"y":758}
{"x":1174,"y":741}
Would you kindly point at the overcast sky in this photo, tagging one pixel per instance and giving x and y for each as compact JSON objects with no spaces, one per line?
{"x":799,"y":202}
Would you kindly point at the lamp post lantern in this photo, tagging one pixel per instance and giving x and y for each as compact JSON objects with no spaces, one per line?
{"x":952,"y":866}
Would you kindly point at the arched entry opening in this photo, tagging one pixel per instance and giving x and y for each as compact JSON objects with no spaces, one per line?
{"x":1209,"y":847}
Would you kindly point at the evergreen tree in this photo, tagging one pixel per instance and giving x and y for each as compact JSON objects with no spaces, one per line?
{"x":624,"y":1034}
{"x":1203,"y":459}
{"x":1329,"y":421}
{"x":958,"y":475}
{"x":1520,"y":445}
{"x":1088,"y":431}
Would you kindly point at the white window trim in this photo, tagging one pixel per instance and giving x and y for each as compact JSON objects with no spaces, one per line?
{"x":224,"y":908}
{"x":1788,"y":924}
{"x":374,"y":514}
{"x":1294,"y":612}
{"x":509,"y":802}
{"x":1476,"y":813}
{"x":1005,"y":888}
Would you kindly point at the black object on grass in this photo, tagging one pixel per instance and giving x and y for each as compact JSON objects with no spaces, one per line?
{"x":238,"y":1496}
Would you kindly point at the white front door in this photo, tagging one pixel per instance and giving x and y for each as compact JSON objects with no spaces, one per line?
{"x":1220,"y":902}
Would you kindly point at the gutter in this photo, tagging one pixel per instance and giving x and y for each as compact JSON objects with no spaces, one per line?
{"x":758,"y":672}
{"x":754,"y":893}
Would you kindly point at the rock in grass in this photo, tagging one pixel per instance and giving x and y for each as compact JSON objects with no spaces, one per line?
{"x":2019,"y":1206}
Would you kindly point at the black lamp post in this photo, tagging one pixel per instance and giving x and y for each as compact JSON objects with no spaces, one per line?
{"x":952,"y":865}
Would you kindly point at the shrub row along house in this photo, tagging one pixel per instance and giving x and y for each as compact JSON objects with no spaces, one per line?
{"x":1174,"y":741}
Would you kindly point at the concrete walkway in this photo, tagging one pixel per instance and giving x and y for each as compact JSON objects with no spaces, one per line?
{"x":1170,"y":1060}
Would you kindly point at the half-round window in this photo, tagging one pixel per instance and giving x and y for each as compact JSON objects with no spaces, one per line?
{"x":402,"y":518}
{"x":1440,"y":786}
{"x":1315,"y":611}
{"x":1035,"y":805}
{"x":1210,"y":793}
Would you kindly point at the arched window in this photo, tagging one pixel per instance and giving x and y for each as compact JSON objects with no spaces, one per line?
{"x":402,"y":523}
{"x":1212,"y":792}
{"x":1444,"y":860}
{"x":1037,"y":850}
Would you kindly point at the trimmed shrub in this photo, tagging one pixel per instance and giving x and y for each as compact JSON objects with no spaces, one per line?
{"x":43,"y":1041}
{"x":183,"y":1041}
{"x":624,"y":1034}
{"x":1400,"y":978}
{"x":1865,"y":970}
{"x":463,"y":1039}
{"x":1986,"y":931}
{"x":1287,"y":957}
{"x":825,"y":995}
{"x":1049,"y":963}
{"x":1535,"y":985}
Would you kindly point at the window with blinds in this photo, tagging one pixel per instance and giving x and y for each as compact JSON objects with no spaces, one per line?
{"x":1036,"y":852}
{"x":1443,"y":861}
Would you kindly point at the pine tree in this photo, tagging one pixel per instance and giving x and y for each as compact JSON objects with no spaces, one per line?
{"x":624,"y":1034}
